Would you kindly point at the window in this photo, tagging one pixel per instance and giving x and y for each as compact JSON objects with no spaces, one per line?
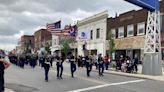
{"x":120,"y":32}
{"x":98,"y":33}
{"x":161,"y":18}
{"x":54,"y":42}
{"x":29,"y":41}
{"x":141,"y":28}
{"x":113,"y":32}
{"x":130,"y":30}
{"x":91,"y":34}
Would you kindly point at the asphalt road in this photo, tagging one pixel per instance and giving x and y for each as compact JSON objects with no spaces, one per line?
{"x":32,"y":80}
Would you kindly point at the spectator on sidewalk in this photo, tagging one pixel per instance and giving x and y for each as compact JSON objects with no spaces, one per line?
{"x":106,"y":59}
{"x":3,"y":66}
{"x":135,"y":64}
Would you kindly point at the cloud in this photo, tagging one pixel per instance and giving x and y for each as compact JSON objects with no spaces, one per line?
{"x":19,"y":17}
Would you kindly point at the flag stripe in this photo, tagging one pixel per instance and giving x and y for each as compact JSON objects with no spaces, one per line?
{"x":53,"y":26}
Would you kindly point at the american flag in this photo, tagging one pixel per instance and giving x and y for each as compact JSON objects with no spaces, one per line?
{"x":73,"y":30}
{"x":70,"y":30}
{"x":54,"y":26}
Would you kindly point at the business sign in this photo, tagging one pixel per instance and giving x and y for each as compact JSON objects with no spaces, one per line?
{"x":151,"y":5}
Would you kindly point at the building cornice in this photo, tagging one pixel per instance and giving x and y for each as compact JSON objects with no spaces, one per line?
{"x":96,"y":17}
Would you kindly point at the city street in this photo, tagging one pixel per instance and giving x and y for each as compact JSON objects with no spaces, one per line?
{"x":126,"y":37}
{"x":32,"y":80}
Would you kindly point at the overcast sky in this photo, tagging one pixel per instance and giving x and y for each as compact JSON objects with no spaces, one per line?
{"x":19,"y":17}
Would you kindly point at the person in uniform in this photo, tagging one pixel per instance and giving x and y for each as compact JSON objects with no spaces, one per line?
{"x":46,"y":66}
{"x":41,"y":60}
{"x":88,"y":65}
{"x":21,"y":61}
{"x":101,"y":65}
{"x":59,"y":66}
{"x":3,"y":66}
{"x":72,"y":64}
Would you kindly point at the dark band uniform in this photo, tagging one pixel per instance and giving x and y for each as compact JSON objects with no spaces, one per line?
{"x":59,"y":64}
{"x":72,"y":65}
{"x":2,"y":68}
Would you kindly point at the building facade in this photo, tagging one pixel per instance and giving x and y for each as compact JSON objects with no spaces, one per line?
{"x":27,"y":44}
{"x":42,"y":38}
{"x":96,"y":25}
{"x":129,"y":31}
{"x":64,"y":35}
{"x":55,"y":42}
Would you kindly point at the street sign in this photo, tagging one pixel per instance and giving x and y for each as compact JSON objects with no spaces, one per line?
{"x":151,"y":5}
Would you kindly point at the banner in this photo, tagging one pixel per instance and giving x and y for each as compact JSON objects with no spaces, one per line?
{"x":85,"y":35}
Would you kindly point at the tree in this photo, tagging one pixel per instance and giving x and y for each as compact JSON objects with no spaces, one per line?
{"x":111,"y":44}
{"x":47,"y":48}
{"x":65,"y":47}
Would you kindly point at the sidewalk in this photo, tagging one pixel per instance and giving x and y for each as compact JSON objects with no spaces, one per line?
{"x":138,"y":75}
{"x":8,"y":90}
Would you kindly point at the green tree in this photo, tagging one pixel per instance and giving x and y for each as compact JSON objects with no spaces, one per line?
{"x":47,"y":48}
{"x":111,"y":44}
{"x":65,"y":47}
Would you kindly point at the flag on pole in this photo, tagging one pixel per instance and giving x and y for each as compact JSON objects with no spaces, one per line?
{"x":54,"y":26}
{"x":70,"y":30}
{"x":73,"y":30}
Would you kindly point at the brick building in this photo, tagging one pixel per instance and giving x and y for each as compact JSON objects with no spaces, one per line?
{"x":27,"y":44}
{"x":129,"y":29}
{"x":42,"y":38}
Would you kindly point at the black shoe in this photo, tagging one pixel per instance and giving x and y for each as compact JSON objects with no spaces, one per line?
{"x":46,"y":80}
{"x":102,"y":75}
{"x":61,"y":77}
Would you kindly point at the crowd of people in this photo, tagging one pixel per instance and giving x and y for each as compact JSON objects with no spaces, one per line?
{"x":124,"y":64}
{"x":101,"y":63}
{"x":127,"y":64}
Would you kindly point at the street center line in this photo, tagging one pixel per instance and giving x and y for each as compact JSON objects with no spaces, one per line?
{"x":106,"y":85}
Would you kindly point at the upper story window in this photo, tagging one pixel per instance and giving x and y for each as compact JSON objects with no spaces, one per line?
{"x":54,"y":42}
{"x":30,"y":42}
{"x":141,"y":28}
{"x":130,"y":30}
{"x":98,"y":33}
{"x":91,"y":34}
{"x":161,"y":18}
{"x":114,"y":33}
{"x":121,"y":32}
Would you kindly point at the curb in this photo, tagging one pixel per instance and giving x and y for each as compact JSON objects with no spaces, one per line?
{"x":9,"y":90}
{"x":156,"y":78}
